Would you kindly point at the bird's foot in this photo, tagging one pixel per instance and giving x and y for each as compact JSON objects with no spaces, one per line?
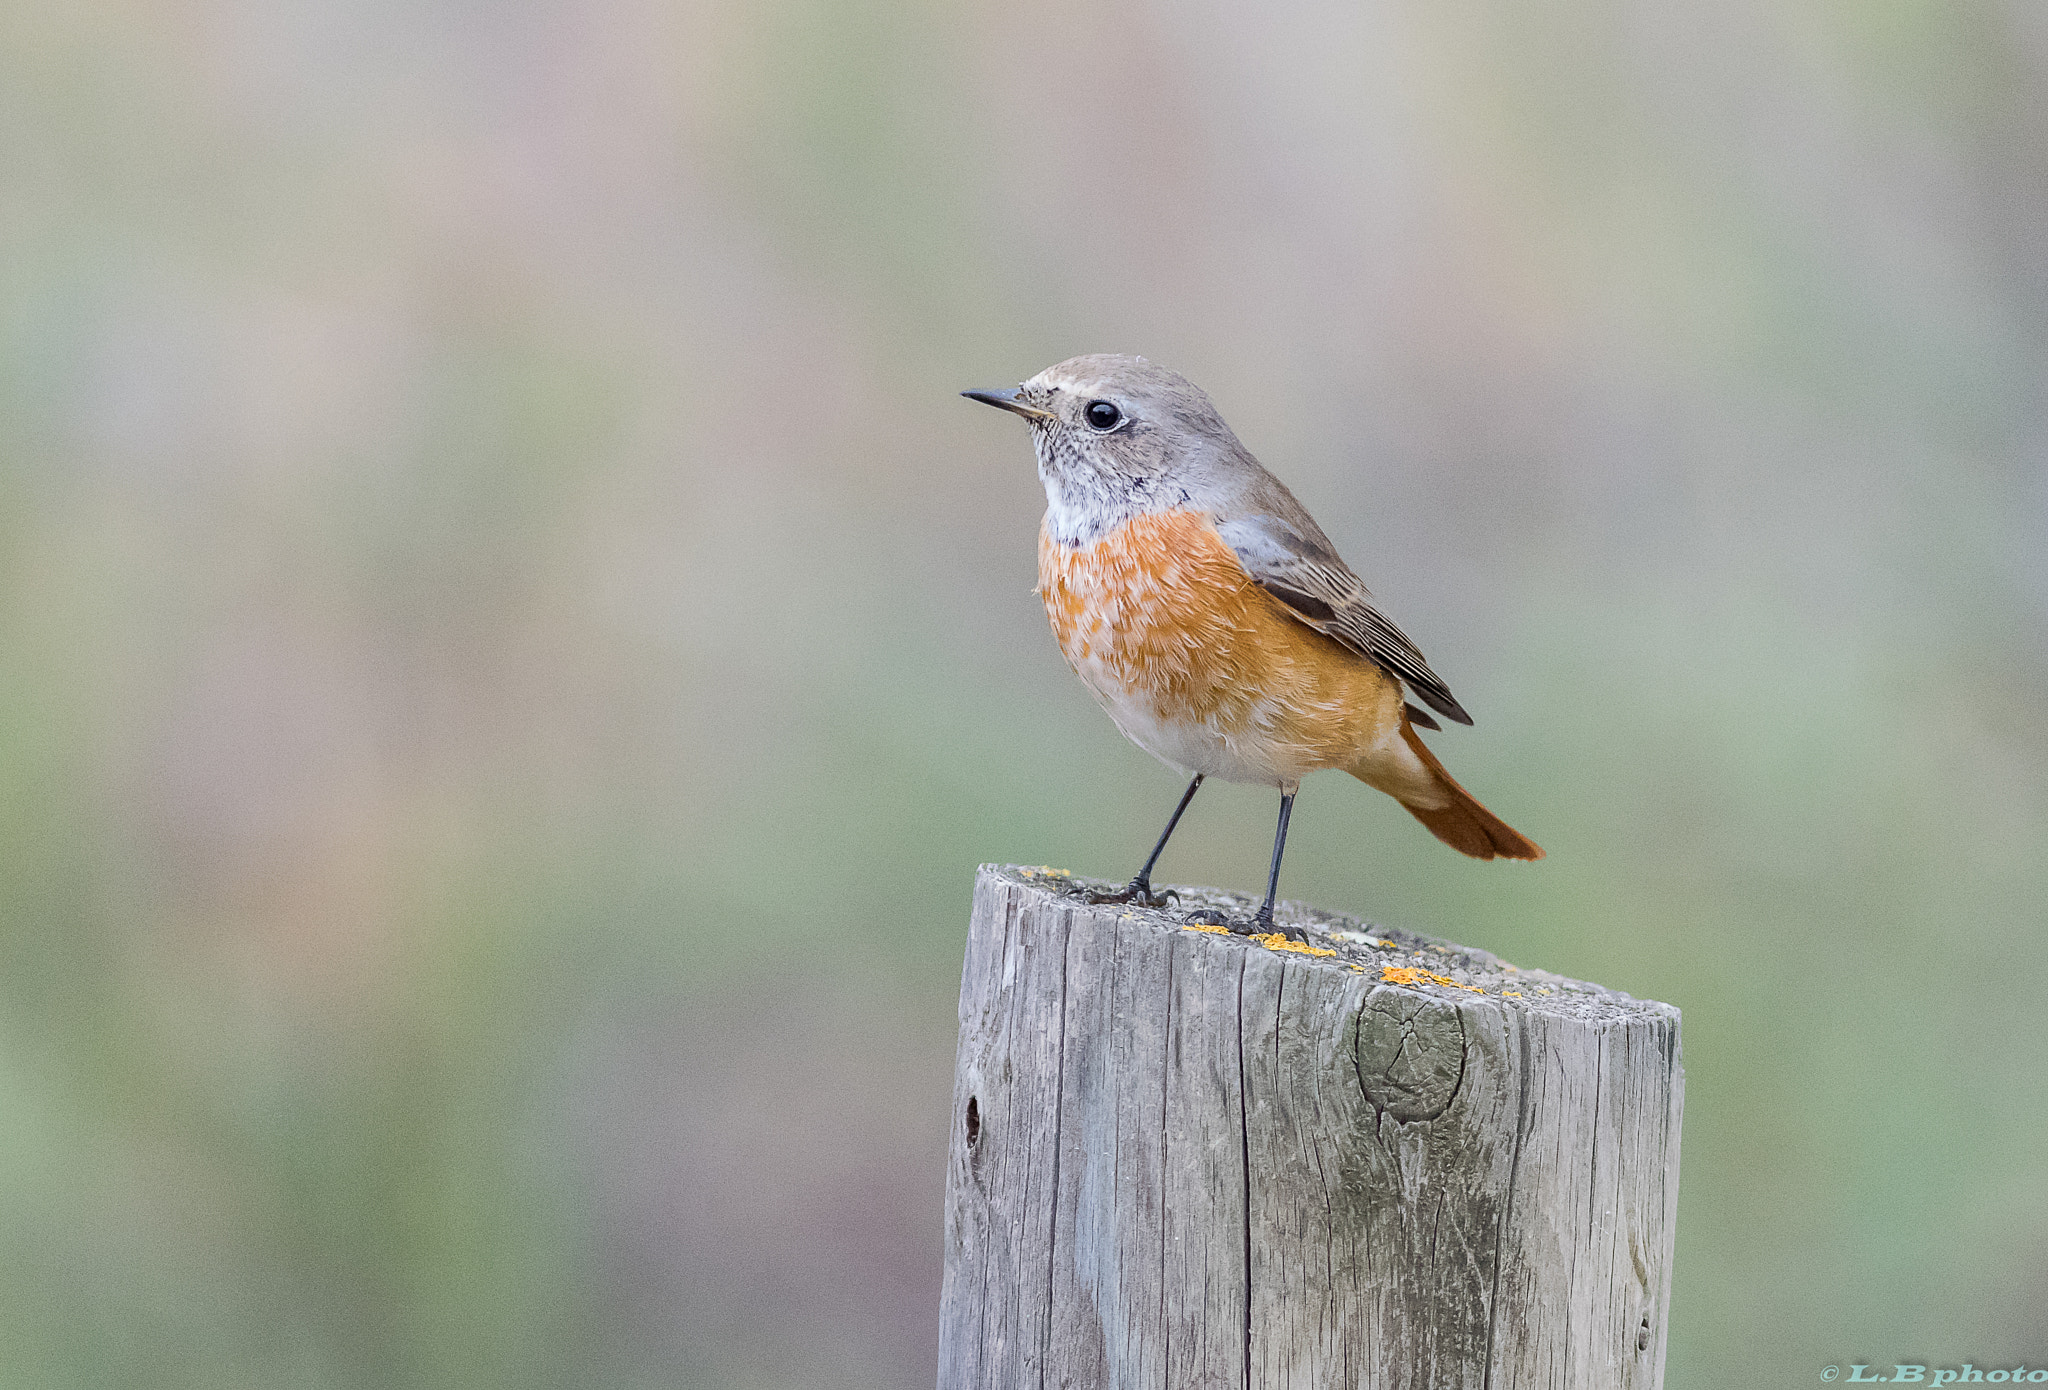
{"x":1139,"y":892}
{"x":1260,"y":923}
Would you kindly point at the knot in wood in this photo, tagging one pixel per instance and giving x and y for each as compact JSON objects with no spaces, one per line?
{"x":1410,"y":1051}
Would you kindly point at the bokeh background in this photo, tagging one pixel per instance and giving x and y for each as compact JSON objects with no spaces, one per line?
{"x":511,"y":649}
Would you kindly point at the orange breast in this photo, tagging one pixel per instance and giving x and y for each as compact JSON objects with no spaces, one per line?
{"x":1163,"y":624}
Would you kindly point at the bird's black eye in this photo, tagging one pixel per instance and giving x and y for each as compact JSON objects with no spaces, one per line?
{"x":1103,"y":415}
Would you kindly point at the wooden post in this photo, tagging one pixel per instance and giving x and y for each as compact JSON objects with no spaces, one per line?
{"x":1186,"y":1159}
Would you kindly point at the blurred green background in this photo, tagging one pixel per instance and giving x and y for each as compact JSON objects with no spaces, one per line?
{"x":511,"y":649}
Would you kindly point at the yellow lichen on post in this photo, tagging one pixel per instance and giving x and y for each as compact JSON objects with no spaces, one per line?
{"x":1416,"y":975}
{"x":1274,"y":941}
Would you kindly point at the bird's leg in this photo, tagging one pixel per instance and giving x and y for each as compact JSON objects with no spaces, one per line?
{"x":1262,"y":920}
{"x":1139,"y":889}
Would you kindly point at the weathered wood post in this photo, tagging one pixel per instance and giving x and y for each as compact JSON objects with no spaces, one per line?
{"x":1186,"y":1159}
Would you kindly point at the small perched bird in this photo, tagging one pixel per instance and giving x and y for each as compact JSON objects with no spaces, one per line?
{"x":1211,"y":617}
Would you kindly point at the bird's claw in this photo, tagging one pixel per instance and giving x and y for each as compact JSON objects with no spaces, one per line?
{"x":1258,"y":924}
{"x":1262,"y":924}
{"x":1136,"y":893}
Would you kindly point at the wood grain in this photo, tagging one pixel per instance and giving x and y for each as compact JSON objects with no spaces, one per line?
{"x":1184,"y":1159}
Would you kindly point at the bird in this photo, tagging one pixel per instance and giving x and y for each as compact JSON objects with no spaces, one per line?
{"x":1213,"y":620}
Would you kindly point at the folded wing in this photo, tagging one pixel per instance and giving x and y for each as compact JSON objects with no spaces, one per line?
{"x":1320,"y":590}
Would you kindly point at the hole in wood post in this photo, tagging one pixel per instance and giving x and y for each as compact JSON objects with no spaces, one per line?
{"x":973,"y":1122}
{"x":1643,"y":1337}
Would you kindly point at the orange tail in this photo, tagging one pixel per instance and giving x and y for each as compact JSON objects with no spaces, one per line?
{"x":1465,"y":825}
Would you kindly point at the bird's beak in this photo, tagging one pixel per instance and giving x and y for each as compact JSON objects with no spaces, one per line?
{"x":1010,"y":400}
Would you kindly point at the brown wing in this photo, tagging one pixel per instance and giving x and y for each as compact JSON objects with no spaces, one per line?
{"x":1319,"y":589}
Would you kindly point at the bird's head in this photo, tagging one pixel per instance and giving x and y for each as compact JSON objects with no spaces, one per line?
{"x":1117,"y":435}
